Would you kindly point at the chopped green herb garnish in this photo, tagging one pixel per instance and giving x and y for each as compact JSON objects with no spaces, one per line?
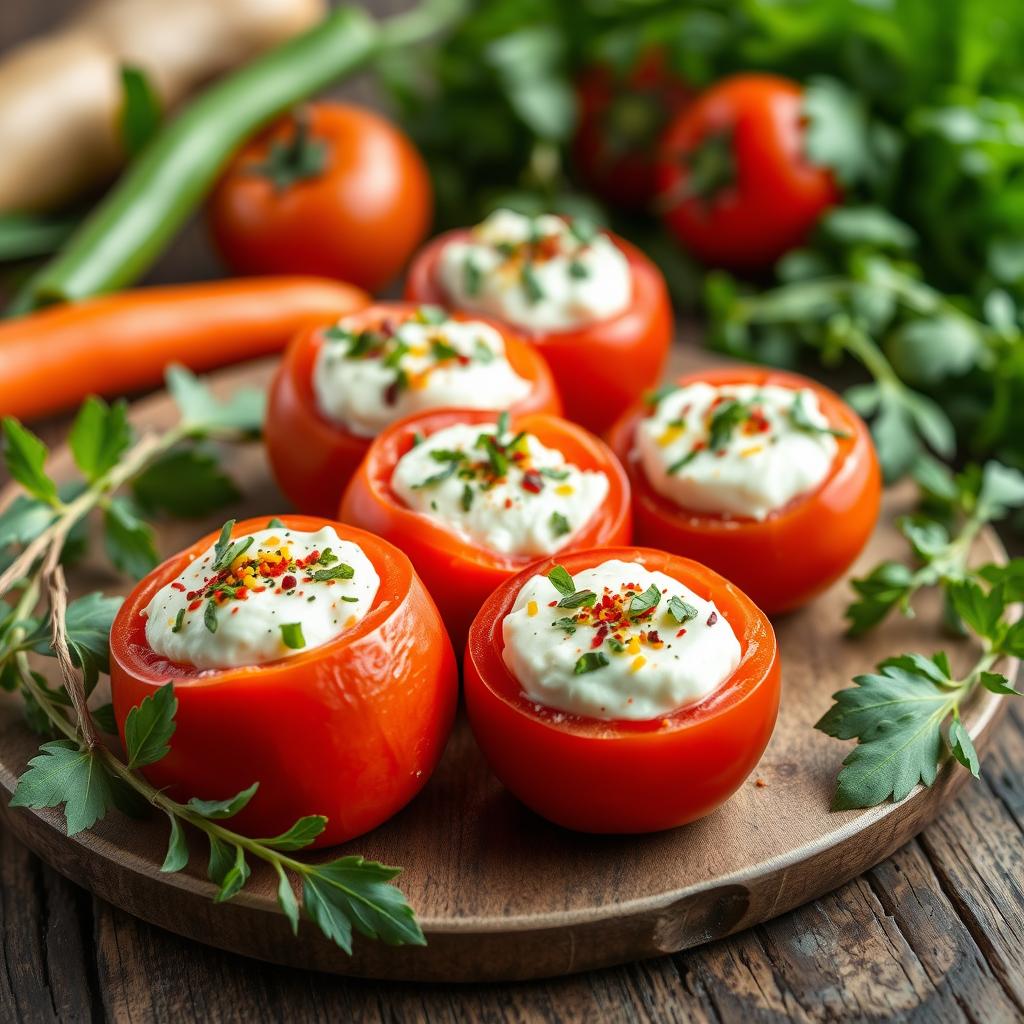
{"x":467,"y":497}
{"x":580,"y":599}
{"x":472,"y":278}
{"x":641,"y":604}
{"x":800,"y":418}
{"x":350,"y":600}
{"x":450,"y":469}
{"x":275,"y":524}
{"x":589,"y":662}
{"x":482,"y":352}
{"x":559,"y":524}
{"x":531,"y":286}
{"x":327,"y":556}
{"x":553,"y":474}
{"x":684,"y":461}
{"x":431,"y":315}
{"x":502,"y":426}
{"x":725,"y":419}
{"x":441,"y":350}
{"x":341,"y":571}
{"x":567,"y":623}
{"x":682,"y":611}
{"x":417,"y":439}
{"x":654,"y":398}
{"x":578,"y":270}
{"x":291,"y":634}
{"x":179,"y":621}
{"x":562,"y":581}
{"x":210,"y":616}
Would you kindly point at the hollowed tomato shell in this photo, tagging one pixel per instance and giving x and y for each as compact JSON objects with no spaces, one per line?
{"x":620,"y":776}
{"x":351,"y":729}
{"x":599,"y":368}
{"x":459,"y":574}
{"x":313,"y":458}
{"x":796,"y":552}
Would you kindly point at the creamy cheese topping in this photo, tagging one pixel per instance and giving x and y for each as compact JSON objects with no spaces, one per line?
{"x":367,"y":379}
{"x":736,"y":450}
{"x":541,"y":273}
{"x":505,"y":492}
{"x":617,"y":641}
{"x":261,"y":596}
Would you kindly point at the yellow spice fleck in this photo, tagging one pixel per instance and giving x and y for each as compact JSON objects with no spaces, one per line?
{"x":670,"y":434}
{"x":564,"y":489}
{"x":752,"y":450}
{"x":531,"y":609}
{"x":634,"y":645}
{"x":638,"y":663}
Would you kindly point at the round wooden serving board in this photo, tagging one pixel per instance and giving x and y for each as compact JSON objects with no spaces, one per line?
{"x":500,"y":893}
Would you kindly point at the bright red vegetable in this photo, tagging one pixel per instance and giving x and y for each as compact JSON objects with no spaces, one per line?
{"x":733,"y":179}
{"x":351,"y":729}
{"x":619,"y":776}
{"x":334,"y":190}
{"x":120,"y":343}
{"x":795,"y":553}
{"x":599,"y":368}
{"x":313,"y":458}
{"x":458,"y":574}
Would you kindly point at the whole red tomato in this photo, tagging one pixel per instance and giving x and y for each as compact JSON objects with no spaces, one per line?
{"x":621,"y":119}
{"x":332,"y":190}
{"x":734,"y":183}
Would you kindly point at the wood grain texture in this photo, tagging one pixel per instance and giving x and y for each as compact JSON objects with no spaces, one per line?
{"x":500,"y":893}
{"x":960,"y":918}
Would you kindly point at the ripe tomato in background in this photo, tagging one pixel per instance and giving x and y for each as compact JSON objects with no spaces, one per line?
{"x":733,"y":180}
{"x":621,"y":119}
{"x":333,"y":190}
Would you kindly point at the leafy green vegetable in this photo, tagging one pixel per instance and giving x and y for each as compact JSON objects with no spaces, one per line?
{"x":130,"y":541}
{"x":149,"y":726}
{"x":99,"y":436}
{"x":25,"y":458}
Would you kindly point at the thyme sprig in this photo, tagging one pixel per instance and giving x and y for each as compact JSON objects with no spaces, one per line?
{"x":77,"y":770}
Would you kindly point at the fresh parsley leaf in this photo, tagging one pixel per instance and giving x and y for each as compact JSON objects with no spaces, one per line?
{"x":103,"y":716}
{"x":559,"y":524}
{"x":996,"y":683}
{"x":63,"y":773}
{"x":561,"y":581}
{"x":724,"y":420}
{"x":129,"y":540}
{"x":25,"y":458}
{"x":186,"y":482}
{"x":299,"y":836}
{"x":682,"y":611}
{"x":641,"y":604}
{"x":962,"y":747}
{"x":233,"y":879}
{"x":24,"y":519}
{"x":887,"y":586}
{"x":177,"y":847}
{"x":580,"y":599}
{"x":291,"y":636}
{"x":286,"y":898}
{"x":1002,"y":489}
{"x":495,"y":455}
{"x":590,"y":662}
{"x":99,"y":436}
{"x":223,"y":808}
{"x":149,"y":727}
{"x":88,"y":621}
{"x":979,"y":610}
{"x":353,"y":892}
{"x":204,"y":413}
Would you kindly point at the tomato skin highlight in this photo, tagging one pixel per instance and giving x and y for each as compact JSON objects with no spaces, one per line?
{"x":598,"y":368}
{"x":321,"y":731}
{"x":796,"y":552}
{"x":777,"y":196}
{"x":621,"y":118}
{"x":460,"y":575}
{"x":313,"y":458}
{"x":358,"y":220}
{"x":617,"y":776}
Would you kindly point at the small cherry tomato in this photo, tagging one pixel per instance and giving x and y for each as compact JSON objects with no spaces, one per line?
{"x":457,"y":573}
{"x":734,"y":182}
{"x":333,"y":190}
{"x":351,"y":729}
{"x":621,"y":119}
{"x":796,"y":552}
{"x":312,"y":457}
{"x":598,"y":368}
{"x":624,"y":776}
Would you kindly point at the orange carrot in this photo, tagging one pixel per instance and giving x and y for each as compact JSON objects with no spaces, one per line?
{"x":50,"y":360}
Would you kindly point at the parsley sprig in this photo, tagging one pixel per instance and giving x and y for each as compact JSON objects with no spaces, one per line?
{"x":906,"y":716}
{"x":40,"y":530}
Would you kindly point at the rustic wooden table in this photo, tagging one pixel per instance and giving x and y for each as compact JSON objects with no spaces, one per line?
{"x":934,"y":933}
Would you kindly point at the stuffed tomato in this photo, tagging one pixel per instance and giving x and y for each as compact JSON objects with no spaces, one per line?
{"x":472,"y":498}
{"x":306,"y":656}
{"x":593,"y":305}
{"x":338,"y":387}
{"x":767,"y":477}
{"x":621,"y":689}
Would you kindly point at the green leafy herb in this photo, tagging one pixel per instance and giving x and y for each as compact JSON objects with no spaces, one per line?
{"x":590,"y":662}
{"x":179,"y":621}
{"x":565,"y":623}
{"x":130,"y":541}
{"x":149,"y":726}
{"x":467,"y":497}
{"x":724,"y":421}
{"x":140,"y":111}
{"x":642,"y":604}
{"x":682,"y":611}
{"x":559,"y":524}
{"x":472,"y":279}
{"x":25,"y":456}
{"x":531,"y":284}
{"x":800,"y":418}
{"x":99,"y":436}
{"x":210,"y":615}
{"x":579,"y":599}
{"x":341,"y":571}
{"x":561,"y":581}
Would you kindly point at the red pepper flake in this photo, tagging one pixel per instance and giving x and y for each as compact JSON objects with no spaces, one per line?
{"x":533,"y":481}
{"x":392,"y":390}
{"x":179,"y":586}
{"x":599,"y":637}
{"x":194,"y":605}
{"x":652,"y":636}
{"x":552,"y":604}
{"x":682,"y":632}
{"x":234,"y":611}
{"x":712,"y":618}
{"x":463,"y":360}
{"x":289,"y":582}
{"x":508,"y":503}
{"x":242,"y":594}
